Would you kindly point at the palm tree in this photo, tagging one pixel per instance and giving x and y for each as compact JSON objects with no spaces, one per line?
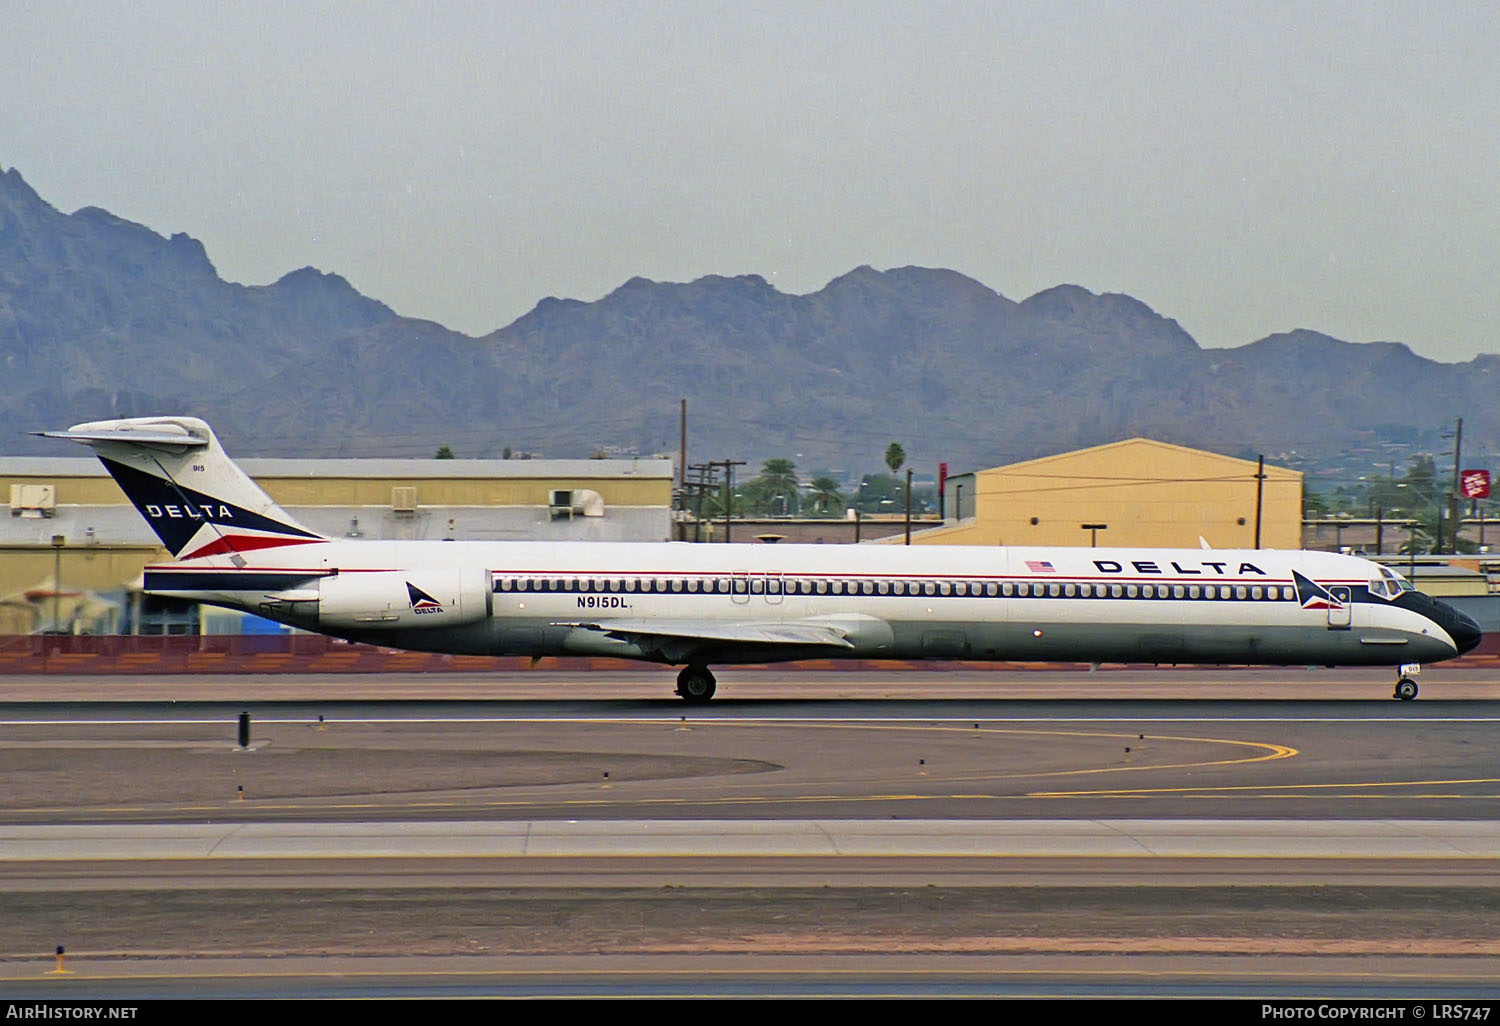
{"x":778,"y":479}
{"x":894,"y":457}
{"x":825,"y":495}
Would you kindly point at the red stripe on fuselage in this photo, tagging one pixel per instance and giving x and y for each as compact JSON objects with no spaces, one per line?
{"x":246,"y":543}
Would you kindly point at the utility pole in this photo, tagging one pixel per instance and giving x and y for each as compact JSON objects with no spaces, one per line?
{"x":692,"y":496}
{"x":908,"y":505}
{"x":701,"y":489}
{"x":58,"y":541}
{"x":728,"y":466}
{"x":1260,"y":483}
{"x":1458,"y":445}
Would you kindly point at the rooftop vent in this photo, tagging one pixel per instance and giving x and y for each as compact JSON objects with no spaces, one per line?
{"x":33,"y":500}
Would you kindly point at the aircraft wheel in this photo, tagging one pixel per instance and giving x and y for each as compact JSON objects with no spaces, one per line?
{"x":695,"y":684}
{"x":1406,"y":689}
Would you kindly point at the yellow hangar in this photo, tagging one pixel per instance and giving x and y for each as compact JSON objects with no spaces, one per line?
{"x":1135,"y":492}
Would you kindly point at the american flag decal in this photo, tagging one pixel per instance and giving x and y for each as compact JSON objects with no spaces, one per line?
{"x":1040,"y":566}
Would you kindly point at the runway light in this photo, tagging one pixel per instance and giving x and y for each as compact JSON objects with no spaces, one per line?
{"x":1037,"y":633}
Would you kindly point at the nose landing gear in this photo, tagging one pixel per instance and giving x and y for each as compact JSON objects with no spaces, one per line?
{"x":1406,"y":688}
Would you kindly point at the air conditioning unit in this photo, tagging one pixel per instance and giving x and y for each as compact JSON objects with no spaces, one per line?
{"x":33,"y":500}
{"x":404,"y":500}
{"x":575,"y":502}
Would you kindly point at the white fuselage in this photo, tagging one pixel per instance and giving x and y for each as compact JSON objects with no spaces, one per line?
{"x":681,"y":603}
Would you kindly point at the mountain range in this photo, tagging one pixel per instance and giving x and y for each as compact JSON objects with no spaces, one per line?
{"x":102,"y":317}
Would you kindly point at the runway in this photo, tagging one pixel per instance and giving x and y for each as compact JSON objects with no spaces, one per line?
{"x":913,"y":844}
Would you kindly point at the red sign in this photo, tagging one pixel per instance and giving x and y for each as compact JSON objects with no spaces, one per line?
{"x":1475,"y":484}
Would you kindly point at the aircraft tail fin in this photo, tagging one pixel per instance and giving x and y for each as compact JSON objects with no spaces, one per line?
{"x":196,"y":499}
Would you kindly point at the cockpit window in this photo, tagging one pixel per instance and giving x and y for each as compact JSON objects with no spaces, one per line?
{"x":1396,"y":580}
{"x":1390,"y":584}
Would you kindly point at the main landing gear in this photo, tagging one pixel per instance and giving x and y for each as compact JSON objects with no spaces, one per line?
{"x":695,"y":684}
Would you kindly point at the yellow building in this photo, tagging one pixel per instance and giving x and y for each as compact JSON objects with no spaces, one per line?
{"x":1144,"y":493}
{"x":70,"y":543}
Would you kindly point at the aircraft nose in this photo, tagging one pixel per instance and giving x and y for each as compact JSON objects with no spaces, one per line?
{"x":1464,"y":630}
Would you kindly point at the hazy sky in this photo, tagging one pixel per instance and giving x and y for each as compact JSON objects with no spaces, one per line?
{"x":1243,"y":168}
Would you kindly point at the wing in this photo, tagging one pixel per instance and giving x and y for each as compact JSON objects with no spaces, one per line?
{"x":681,"y":640}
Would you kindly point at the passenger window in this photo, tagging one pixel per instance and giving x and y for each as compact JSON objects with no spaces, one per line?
{"x":1178,"y":591}
{"x":1147,"y":591}
{"x":1006,"y":589}
{"x":1130,"y":591}
{"x":990,"y":589}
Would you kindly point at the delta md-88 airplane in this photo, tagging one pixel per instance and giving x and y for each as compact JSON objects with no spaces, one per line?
{"x":696,"y":605}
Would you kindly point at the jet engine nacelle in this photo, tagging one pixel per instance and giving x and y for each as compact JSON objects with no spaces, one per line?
{"x":396,"y":598}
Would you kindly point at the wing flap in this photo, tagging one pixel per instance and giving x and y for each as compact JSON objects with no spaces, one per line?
{"x":755,"y":632}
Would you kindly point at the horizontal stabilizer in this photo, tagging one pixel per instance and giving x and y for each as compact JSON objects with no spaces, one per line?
{"x":163,"y":434}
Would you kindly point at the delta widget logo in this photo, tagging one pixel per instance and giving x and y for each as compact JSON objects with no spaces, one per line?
{"x":421,"y":602}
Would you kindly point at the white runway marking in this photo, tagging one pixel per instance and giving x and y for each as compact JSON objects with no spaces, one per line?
{"x":1101,"y":838}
